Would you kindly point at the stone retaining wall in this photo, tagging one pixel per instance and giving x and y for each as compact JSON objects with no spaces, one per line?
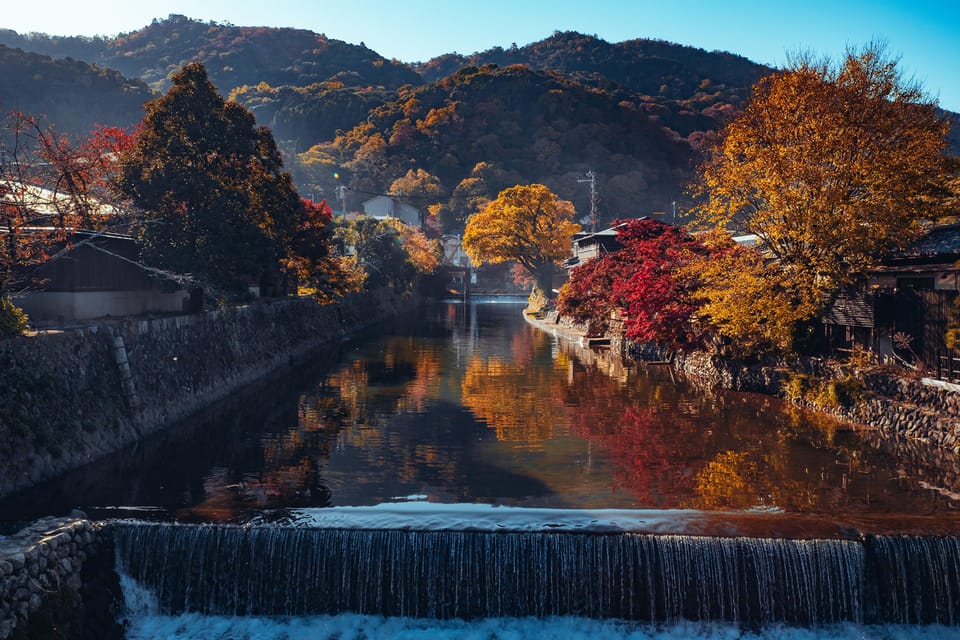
{"x":53,"y":582}
{"x":897,"y":406}
{"x":72,"y":397}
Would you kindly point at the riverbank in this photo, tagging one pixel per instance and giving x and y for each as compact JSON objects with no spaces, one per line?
{"x":896,"y":407}
{"x":74,"y":396}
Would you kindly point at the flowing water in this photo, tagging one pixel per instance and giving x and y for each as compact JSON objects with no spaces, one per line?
{"x":730,"y":509}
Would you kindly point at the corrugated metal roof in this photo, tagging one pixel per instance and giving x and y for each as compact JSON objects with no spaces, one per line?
{"x":43,"y":201}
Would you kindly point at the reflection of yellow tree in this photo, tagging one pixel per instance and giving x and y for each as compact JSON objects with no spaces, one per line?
{"x":515,"y":400}
{"x":729,"y":481}
{"x":410,"y":393}
{"x":425,"y":386}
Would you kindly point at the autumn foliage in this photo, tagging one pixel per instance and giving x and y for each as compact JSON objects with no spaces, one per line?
{"x":525,"y":224}
{"x":643,"y":281}
{"x":51,"y":185}
{"x":829,"y":167}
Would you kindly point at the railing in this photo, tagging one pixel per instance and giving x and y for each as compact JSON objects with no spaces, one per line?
{"x":948,"y":368}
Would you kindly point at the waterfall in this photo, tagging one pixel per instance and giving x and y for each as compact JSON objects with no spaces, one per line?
{"x":916,"y":580}
{"x":444,"y":574}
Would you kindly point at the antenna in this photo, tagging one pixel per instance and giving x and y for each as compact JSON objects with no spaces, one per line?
{"x":591,"y":178}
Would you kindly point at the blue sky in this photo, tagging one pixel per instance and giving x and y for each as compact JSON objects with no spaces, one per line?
{"x":924,"y":34}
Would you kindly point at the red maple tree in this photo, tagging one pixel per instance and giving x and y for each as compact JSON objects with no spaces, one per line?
{"x":642,"y":280}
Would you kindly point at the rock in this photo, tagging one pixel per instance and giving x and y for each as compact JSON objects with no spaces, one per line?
{"x":18,"y":560}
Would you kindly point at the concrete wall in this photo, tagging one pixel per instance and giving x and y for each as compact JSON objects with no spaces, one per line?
{"x":86,"y":305}
{"x":74,"y":396}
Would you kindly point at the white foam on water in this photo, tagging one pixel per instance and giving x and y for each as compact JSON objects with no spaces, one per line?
{"x":429,"y":516}
{"x":357,"y":627}
{"x":140,"y":602}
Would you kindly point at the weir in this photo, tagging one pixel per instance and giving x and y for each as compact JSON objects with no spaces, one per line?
{"x":444,"y":574}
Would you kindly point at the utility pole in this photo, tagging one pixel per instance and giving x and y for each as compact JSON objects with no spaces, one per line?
{"x":591,"y":178}
{"x":342,"y":194}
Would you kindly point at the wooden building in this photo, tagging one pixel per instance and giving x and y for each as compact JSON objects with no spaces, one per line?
{"x":99,"y":276}
{"x":903,"y":309}
{"x":589,"y":245}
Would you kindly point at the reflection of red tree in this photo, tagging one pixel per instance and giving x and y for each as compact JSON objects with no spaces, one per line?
{"x":654,"y":446}
{"x":651,"y":457}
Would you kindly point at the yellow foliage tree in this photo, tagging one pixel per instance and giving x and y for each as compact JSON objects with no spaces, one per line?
{"x":526,"y":224}
{"x":829,"y":166}
{"x":751,"y":303}
{"x":421,"y":186}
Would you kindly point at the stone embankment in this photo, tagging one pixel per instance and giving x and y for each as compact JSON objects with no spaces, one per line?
{"x":896,"y":407}
{"x":57,"y":581}
{"x":74,"y":396}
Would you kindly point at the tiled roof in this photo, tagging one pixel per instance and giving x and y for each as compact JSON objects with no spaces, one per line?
{"x":938,"y":242}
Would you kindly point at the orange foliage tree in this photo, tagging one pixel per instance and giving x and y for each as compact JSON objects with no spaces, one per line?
{"x":50,"y":186}
{"x":829,"y":166}
{"x":526,"y":224}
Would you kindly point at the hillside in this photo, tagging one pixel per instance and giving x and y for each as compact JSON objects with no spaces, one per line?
{"x":301,"y":116}
{"x":70,"y":94}
{"x":635,"y":112}
{"x":646,"y":67}
{"x":480,"y":130}
{"x":234,"y":56}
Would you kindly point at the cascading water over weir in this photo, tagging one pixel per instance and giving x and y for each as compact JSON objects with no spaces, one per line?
{"x":567,"y":564}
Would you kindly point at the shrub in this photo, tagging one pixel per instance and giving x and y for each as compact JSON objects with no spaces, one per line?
{"x":13,"y":321}
{"x":825,"y":394}
{"x":796,"y":386}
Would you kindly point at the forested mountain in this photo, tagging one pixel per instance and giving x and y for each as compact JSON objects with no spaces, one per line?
{"x":302,"y":116}
{"x":480,"y":130}
{"x":647,"y":67}
{"x":233,"y":56}
{"x":70,"y":94}
{"x":446,"y":133}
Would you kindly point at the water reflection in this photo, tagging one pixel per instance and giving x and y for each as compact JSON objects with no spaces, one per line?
{"x":468,"y":403}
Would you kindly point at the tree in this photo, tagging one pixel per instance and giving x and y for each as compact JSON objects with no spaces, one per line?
{"x":422,"y":253}
{"x":757,"y":311}
{"x":526,"y":224}
{"x":386,"y":252}
{"x":645,"y":280}
{"x":220,"y":207}
{"x":829,"y":166}
{"x":657,"y":294}
{"x":50,"y":185}
{"x":418,"y":185}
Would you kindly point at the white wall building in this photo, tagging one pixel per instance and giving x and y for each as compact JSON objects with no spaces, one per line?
{"x":381,"y":207}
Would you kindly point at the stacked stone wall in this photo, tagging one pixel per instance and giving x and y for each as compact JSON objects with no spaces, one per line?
{"x":74,"y":396}
{"x":57,"y":581}
{"x":898,"y":407}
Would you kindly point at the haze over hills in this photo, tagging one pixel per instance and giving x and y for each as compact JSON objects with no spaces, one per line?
{"x":234,"y":56}
{"x":72,"y":94}
{"x":635,"y":112}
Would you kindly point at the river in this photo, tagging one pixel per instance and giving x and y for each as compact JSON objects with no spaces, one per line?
{"x":405,"y":485}
{"x":470,"y":404}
